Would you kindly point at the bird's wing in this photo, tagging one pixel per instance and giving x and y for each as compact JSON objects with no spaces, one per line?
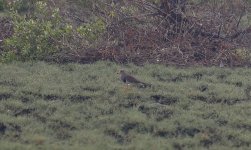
{"x":132,"y":79}
{"x":123,"y":78}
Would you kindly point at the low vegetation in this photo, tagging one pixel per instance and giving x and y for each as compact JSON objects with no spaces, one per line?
{"x":177,"y":32}
{"x":73,"y":106}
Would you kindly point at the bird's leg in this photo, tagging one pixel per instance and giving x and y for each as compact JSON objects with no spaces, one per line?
{"x":127,"y":87}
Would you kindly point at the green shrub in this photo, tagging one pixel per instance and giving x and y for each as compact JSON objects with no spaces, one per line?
{"x":37,"y":36}
{"x":21,"y":5}
{"x":1,"y":5}
{"x":92,"y":31}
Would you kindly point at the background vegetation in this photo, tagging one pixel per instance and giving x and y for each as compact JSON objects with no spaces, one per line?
{"x":74,"y":106}
{"x":180,"y":32}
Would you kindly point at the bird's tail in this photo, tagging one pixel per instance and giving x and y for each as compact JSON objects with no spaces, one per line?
{"x":144,"y":85}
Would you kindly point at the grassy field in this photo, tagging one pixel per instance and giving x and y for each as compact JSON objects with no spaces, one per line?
{"x":73,"y":106}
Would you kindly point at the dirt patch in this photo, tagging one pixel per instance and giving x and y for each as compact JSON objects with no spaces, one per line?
{"x":10,"y":83}
{"x":163,"y":114}
{"x":156,"y":112}
{"x":129,"y":126}
{"x":129,"y":104}
{"x":15,"y":127}
{"x":24,"y":112}
{"x":209,"y":136}
{"x":136,"y":127}
{"x":180,"y":131}
{"x":25,"y":99}
{"x":133,"y":96}
{"x":90,"y":89}
{"x":49,"y":97}
{"x":92,"y":77}
{"x":79,"y":98}
{"x":63,"y":134}
{"x":178,"y":146}
{"x":215,"y":100}
{"x":159,"y":77}
{"x":146,"y":110}
{"x":60,"y":124}
{"x":238,"y":84}
{"x":41,"y":118}
{"x":244,"y":126}
{"x":119,"y":138}
{"x":221,"y":122}
{"x":221,"y":76}
{"x":165,"y":134}
{"x":186,"y":131}
{"x":2,"y":128}
{"x":178,"y":78}
{"x":199,"y":97}
{"x":164,"y":100}
{"x":197,"y":76}
{"x":238,"y":142}
{"x":62,"y":129}
{"x":4,"y":96}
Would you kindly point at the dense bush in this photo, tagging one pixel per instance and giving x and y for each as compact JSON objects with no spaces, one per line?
{"x":43,"y":33}
{"x":1,"y":5}
{"x":35,"y":36}
{"x":92,"y":31}
{"x":184,"y":32}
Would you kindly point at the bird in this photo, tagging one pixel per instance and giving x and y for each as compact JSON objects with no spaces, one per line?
{"x":126,"y":78}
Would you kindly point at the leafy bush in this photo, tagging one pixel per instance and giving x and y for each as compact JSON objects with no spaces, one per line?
{"x":1,"y":5}
{"x":21,"y":5}
{"x":92,"y":31}
{"x":42,"y":34}
{"x":243,"y":54}
{"x":35,"y":37}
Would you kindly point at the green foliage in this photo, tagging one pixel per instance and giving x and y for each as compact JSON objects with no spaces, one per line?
{"x":85,"y":3}
{"x":21,"y":5}
{"x":92,"y":31}
{"x":243,"y":54}
{"x":2,"y":5}
{"x":35,"y":37}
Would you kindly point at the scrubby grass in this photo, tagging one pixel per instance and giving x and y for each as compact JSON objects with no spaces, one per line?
{"x":74,"y":106}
